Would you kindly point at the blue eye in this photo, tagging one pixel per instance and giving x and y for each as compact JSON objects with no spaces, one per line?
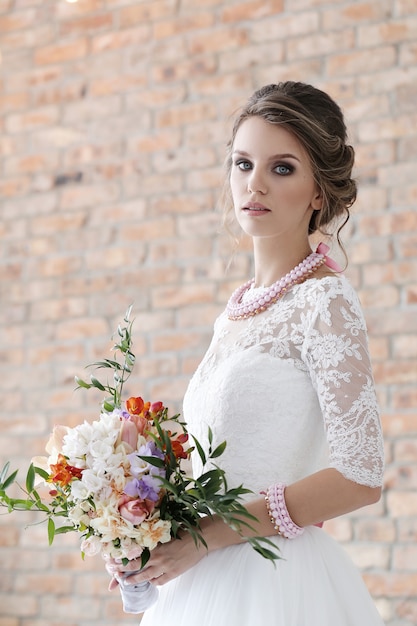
{"x":243,"y":165}
{"x":283,"y":170}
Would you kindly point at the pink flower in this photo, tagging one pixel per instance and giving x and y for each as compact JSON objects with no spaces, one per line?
{"x":141,"y":423}
{"x":129,"y":433}
{"x":156,"y":407}
{"x":135,"y":510}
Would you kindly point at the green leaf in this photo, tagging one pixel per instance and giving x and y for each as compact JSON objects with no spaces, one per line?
{"x":96,"y":383}
{"x":200,"y":451}
{"x":42,"y":473}
{"x":4,"y":472}
{"x":20,"y":505}
{"x":51,"y":530}
{"x":10,"y":479}
{"x":107,"y":363}
{"x":153,"y":460}
{"x":62,"y":530}
{"x":108,"y":405}
{"x":30,"y":478}
{"x":144,"y":558}
{"x":81,"y":383}
{"x":218,"y":451}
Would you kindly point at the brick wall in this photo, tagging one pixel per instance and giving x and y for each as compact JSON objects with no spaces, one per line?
{"x":113,"y":121}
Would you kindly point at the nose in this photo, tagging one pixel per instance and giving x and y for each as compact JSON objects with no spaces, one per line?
{"x":256,"y":182}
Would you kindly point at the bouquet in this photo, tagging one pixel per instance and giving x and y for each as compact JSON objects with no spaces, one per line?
{"x":120,"y":483}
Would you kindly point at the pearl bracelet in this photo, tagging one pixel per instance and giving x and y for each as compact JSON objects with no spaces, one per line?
{"x":278,"y":512}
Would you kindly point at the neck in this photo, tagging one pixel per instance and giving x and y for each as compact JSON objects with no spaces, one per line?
{"x":273,"y":258}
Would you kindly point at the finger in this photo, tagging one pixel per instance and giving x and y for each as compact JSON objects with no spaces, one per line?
{"x":113,"y":584}
{"x":160,"y":580}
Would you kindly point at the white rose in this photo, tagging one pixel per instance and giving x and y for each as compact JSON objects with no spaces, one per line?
{"x":79,"y":491}
{"x":91,"y":546}
{"x":92,"y":482}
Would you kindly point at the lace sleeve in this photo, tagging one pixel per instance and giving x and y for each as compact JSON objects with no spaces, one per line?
{"x":336,"y":354}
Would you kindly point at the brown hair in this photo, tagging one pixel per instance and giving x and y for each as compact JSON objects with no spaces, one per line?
{"x":317,"y":121}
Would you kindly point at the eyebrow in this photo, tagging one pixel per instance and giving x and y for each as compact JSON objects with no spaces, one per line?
{"x":275,"y":157}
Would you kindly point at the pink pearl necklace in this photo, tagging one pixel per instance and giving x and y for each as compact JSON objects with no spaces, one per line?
{"x":237,"y":309}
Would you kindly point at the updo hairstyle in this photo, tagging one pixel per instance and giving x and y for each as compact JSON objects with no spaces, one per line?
{"x":317,"y":121}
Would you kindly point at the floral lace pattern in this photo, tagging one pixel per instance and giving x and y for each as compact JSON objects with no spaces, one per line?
{"x":296,"y":382}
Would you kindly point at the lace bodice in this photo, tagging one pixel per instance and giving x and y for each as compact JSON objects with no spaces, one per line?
{"x":291,"y":390}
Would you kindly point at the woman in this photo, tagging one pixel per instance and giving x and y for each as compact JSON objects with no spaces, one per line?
{"x":287,"y":383}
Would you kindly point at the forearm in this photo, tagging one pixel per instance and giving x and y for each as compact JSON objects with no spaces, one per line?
{"x":314,"y":499}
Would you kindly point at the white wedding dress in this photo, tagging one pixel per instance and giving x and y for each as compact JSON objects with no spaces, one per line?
{"x":291,"y":392}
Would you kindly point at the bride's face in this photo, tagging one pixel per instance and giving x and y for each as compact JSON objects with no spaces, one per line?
{"x":273,"y":188}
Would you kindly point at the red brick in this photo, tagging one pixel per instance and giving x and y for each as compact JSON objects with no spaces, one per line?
{"x":122,"y":39}
{"x":407,"y":529}
{"x":173,"y":27}
{"x":167,"y":297}
{"x":250,"y":56}
{"x":407,"y":609}
{"x":405,"y":7}
{"x":352,"y":14}
{"x":411,"y":294}
{"x":147,"y":12}
{"x":388,"y":32}
{"x":296,"y":70}
{"x":21,"y":122}
{"x":369,"y":555}
{"x":375,"y":530}
{"x":185,"y":69}
{"x":186,"y":114}
{"x":19,"y":604}
{"x":18,"y":20}
{"x":238,"y":81}
{"x":319,"y":44}
{"x":172,"y":391}
{"x":89,"y":24}
{"x":402,"y":503}
{"x":339,"y":528}
{"x":385,"y":296}
{"x":251,"y":10}
{"x":218,"y":40}
{"x":353,"y":62}
{"x":62,"y":52}
{"x":386,"y":128}
{"x":88,"y":195}
{"x":284,"y":26}
{"x":68,"y":10}
{"x":391,"y":584}
{"x":17,"y":186}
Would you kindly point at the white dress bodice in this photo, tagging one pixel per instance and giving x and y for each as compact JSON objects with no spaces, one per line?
{"x":290,"y":390}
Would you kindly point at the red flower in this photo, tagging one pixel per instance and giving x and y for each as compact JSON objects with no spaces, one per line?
{"x":177,"y":447}
{"x":62,"y":473}
{"x":156,"y":407}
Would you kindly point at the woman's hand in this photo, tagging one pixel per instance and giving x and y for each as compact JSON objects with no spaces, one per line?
{"x":167,"y":561}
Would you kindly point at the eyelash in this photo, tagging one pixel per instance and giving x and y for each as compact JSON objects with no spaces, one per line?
{"x":287,"y":166}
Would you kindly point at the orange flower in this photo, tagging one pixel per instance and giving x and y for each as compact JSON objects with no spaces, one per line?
{"x":135,"y":406}
{"x":177,"y":447}
{"x":62,"y":473}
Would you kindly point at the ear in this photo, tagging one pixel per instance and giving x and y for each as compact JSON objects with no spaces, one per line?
{"x":317,"y":200}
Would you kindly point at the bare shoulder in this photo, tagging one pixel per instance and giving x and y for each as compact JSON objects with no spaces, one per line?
{"x":323,"y":271}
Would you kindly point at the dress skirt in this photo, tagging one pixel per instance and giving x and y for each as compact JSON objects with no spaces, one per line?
{"x":315,"y":584}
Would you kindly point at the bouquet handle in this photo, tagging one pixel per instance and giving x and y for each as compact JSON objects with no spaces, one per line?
{"x":136,"y":598}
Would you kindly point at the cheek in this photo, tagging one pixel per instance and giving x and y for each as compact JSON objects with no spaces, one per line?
{"x":234,"y":187}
